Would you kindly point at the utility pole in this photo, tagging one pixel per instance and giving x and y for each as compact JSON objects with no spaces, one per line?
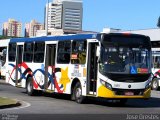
{"x":47,"y":10}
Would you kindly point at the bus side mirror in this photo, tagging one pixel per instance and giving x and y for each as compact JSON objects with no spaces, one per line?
{"x":98,"y":54}
{"x":98,"y":51}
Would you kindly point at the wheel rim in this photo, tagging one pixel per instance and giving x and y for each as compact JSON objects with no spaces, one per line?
{"x":78,"y":93}
{"x":29,"y":87}
{"x":154,"y":84}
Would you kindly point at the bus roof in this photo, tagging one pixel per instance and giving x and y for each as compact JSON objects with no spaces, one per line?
{"x":54,"y":38}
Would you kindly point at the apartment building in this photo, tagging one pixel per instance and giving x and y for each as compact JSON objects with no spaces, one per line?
{"x":12,"y":28}
{"x":64,"y":14}
{"x":32,"y":27}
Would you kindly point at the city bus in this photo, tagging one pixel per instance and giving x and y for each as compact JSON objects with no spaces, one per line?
{"x":3,"y":51}
{"x":114,"y":66}
{"x":156,"y":65}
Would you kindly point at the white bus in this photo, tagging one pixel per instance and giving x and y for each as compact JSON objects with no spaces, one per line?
{"x":3,"y":51}
{"x":98,"y":65}
{"x":156,"y":65}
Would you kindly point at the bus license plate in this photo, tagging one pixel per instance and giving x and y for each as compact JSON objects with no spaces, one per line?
{"x":129,"y":93}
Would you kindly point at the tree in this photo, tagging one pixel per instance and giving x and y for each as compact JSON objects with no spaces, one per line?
{"x":7,"y":37}
{"x":158,"y":24}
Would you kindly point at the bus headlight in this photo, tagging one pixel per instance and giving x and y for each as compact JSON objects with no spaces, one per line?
{"x":109,"y":86}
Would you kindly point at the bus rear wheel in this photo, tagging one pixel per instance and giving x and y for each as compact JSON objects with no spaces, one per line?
{"x":29,"y":87}
{"x":78,"y":93}
{"x":155,"y":84}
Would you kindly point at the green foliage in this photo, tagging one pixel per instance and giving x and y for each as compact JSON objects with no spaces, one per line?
{"x":6,"y":101}
{"x":7,"y":37}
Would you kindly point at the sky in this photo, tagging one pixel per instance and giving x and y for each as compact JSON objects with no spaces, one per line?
{"x":97,"y":14}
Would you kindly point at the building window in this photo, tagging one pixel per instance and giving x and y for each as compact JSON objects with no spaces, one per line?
{"x":28,"y":52}
{"x":12,"y":52}
{"x":64,"y":49}
{"x":78,"y":55}
{"x":39,"y":48}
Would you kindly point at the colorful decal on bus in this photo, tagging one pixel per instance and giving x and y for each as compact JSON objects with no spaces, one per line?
{"x":52,"y":79}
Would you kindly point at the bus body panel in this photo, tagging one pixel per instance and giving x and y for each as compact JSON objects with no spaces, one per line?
{"x":103,"y":91}
{"x":3,"y":70}
{"x":107,"y":93}
{"x":11,"y":73}
{"x":59,"y":77}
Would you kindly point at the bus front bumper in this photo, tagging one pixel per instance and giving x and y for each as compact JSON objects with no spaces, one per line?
{"x":107,"y":93}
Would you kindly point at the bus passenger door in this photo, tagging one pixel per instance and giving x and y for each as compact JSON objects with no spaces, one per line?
{"x":50,"y":67}
{"x":92,"y":69}
{"x":18,"y":65}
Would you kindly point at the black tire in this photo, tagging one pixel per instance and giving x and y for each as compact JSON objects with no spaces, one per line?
{"x":73,"y":95}
{"x":77,"y":93}
{"x":29,"y":87}
{"x":155,"y":84}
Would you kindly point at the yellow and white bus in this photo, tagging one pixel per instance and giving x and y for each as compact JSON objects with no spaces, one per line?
{"x":113,"y":66}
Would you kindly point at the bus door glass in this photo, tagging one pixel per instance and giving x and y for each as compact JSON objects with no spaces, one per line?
{"x":50,"y":66}
{"x":18,"y":64}
{"x":92,"y":68}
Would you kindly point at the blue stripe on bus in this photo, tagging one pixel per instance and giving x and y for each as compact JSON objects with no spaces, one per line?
{"x":53,"y":38}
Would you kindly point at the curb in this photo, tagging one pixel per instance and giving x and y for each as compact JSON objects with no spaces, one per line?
{"x":10,"y":106}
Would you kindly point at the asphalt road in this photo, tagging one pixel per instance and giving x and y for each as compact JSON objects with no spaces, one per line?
{"x":55,"y":104}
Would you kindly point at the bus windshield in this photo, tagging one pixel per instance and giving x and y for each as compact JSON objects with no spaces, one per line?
{"x":125,"y":58}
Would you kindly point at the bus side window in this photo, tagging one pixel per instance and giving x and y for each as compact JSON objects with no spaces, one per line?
{"x":12,"y":52}
{"x":28,"y":52}
{"x":39,"y":48}
{"x":78,"y":55}
{"x":64,"y":49}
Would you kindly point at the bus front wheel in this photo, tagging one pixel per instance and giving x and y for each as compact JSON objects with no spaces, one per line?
{"x":155,"y":84}
{"x":78,"y":93}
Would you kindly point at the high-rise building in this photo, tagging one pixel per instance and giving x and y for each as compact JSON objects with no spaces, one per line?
{"x":32,"y":27}
{"x":64,"y":14}
{"x":12,"y":28}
